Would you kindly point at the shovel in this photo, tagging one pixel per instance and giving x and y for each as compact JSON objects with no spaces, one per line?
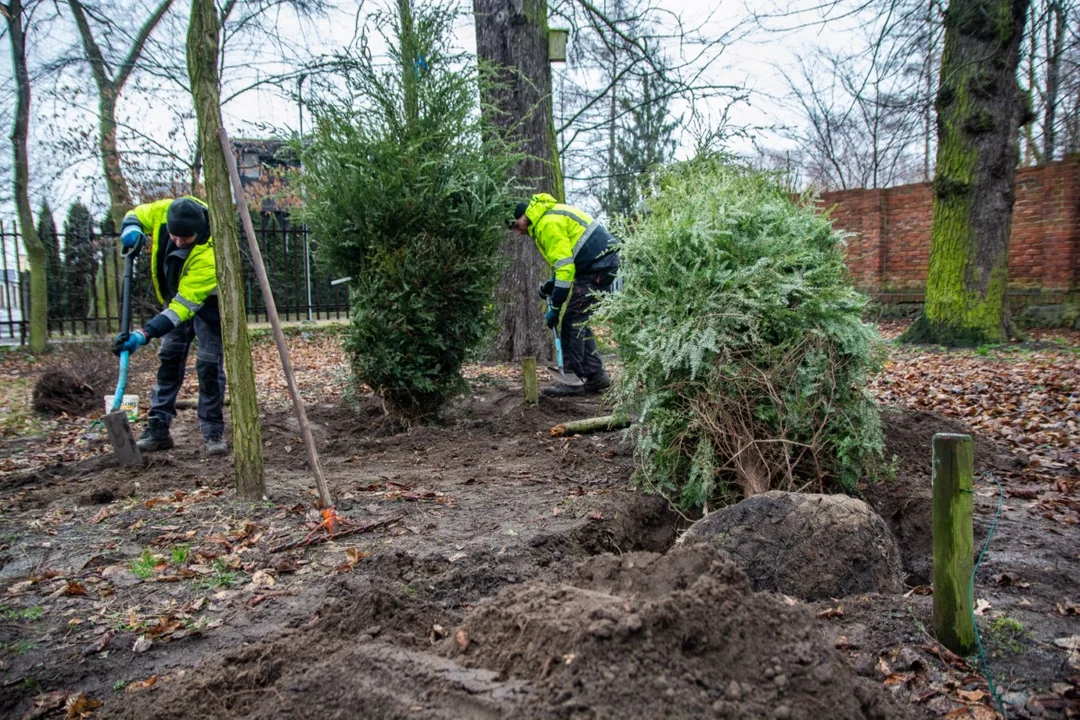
{"x":558,"y":366}
{"x":116,"y":421}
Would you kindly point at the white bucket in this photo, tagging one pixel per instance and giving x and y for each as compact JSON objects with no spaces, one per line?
{"x":129,"y":404}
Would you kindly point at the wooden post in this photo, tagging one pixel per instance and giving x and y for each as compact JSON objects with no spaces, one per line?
{"x":275,"y":322}
{"x":126,"y":451}
{"x":954,"y":622}
{"x":528,"y":373}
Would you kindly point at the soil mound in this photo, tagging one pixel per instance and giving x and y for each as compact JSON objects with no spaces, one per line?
{"x":645,"y":636}
{"x":809,"y":546}
{"x":59,"y":392}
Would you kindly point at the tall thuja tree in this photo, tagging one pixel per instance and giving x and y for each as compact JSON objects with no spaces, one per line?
{"x":80,"y":260}
{"x":645,"y":142}
{"x":46,"y":229}
{"x":408,"y":194}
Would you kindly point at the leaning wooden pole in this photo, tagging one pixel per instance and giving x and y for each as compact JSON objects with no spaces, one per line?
{"x":954,"y":621}
{"x":275,"y":322}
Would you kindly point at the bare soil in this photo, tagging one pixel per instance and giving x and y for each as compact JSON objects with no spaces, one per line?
{"x":515,"y":574}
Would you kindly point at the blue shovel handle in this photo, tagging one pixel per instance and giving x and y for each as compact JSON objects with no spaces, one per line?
{"x":121,"y":381}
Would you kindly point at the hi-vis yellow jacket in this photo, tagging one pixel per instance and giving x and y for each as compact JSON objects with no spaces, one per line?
{"x":571,"y":242}
{"x":183,"y":279}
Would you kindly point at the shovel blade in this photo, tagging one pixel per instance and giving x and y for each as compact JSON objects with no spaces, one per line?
{"x":123,"y":442}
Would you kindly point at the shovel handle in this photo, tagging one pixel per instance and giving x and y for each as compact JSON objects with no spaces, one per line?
{"x":121,"y":381}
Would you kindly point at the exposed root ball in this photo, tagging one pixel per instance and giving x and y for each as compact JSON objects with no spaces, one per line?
{"x":61,"y":391}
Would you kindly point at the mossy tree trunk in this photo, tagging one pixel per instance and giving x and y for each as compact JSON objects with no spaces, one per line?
{"x":511,"y":37}
{"x":202,"y":59}
{"x":979,"y":109}
{"x":18,"y":20}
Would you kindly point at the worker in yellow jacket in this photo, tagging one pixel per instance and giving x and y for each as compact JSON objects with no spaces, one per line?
{"x":185,"y":281}
{"x":585,"y":258}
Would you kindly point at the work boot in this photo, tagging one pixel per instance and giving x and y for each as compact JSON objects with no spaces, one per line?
{"x":215,"y":445}
{"x":156,"y":437}
{"x":564,"y":390}
{"x":598,"y":384}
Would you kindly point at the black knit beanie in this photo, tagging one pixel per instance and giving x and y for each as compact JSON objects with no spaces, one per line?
{"x":186,"y":218}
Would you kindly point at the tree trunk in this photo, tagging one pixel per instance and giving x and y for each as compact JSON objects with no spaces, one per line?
{"x":35,"y":250}
{"x":409,"y":66}
{"x":1055,"y":47}
{"x":202,"y":60}
{"x":119,"y":193}
{"x":979,"y":108}
{"x":511,"y":36}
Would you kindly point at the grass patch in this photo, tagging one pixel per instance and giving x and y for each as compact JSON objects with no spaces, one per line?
{"x":143,"y":566}
{"x":179,"y":554}
{"x":221,"y":577}
{"x":18,"y":648}
{"x":29,"y":614}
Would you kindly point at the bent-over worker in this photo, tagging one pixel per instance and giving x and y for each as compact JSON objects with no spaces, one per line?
{"x":585,"y":258}
{"x":185,"y":281}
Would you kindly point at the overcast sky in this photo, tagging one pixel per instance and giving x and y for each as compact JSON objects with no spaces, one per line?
{"x":757,"y":62}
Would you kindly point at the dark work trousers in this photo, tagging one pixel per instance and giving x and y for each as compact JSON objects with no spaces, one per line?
{"x":209,"y":367}
{"x":578,"y":345}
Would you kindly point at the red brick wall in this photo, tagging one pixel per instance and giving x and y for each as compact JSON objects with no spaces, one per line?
{"x":890,"y":249}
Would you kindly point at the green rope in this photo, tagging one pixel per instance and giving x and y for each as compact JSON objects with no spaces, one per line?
{"x":984,"y":663}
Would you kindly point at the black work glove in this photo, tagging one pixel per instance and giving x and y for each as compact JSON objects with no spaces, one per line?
{"x":546,"y":288}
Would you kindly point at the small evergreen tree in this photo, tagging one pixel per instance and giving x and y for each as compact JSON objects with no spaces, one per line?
{"x":46,"y":228}
{"x":745,"y":358}
{"x":80,"y":260}
{"x":645,"y":142}
{"x":408,"y":194}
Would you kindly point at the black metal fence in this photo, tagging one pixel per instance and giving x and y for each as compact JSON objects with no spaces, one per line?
{"x":85,"y":273}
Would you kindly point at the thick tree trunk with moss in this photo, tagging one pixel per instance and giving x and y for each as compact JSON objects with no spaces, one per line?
{"x":979,"y":108}
{"x":511,"y":36}
{"x":202,"y":60}
{"x":17,"y":20}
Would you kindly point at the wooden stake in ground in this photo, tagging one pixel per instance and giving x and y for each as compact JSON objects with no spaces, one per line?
{"x":528,"y":373}
{"x":275,"y":322}
{"x":590,"y":425}
{"x":202,"y":59}
{"x":954,"y":622}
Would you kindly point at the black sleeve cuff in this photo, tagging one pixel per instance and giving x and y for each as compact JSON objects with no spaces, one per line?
{"x":158,"y":327}
{"x":559,"y":295}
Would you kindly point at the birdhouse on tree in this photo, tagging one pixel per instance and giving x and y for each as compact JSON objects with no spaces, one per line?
{"x":557,"y":38}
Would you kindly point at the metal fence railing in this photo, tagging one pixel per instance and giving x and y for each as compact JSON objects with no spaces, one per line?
{"x":85,"y":272}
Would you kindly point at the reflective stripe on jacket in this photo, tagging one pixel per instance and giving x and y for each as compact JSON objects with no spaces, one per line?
{"x":570,"y":241}
{"x":197,"y":279}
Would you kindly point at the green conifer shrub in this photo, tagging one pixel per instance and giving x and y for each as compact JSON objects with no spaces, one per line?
{"x":745,"y":358}
{"x":406,"y":190}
